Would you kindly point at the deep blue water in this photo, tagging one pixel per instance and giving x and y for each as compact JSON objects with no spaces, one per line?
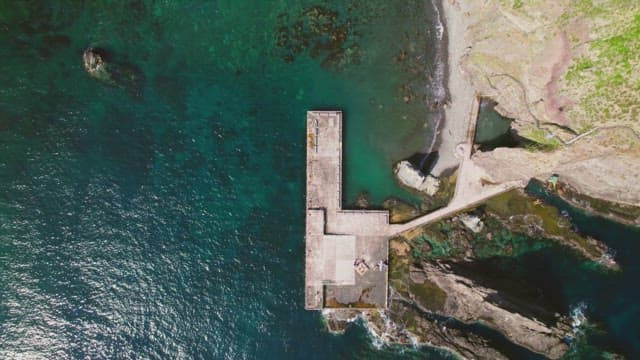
{"x":611,"y":299}
{"x":164,"y":218}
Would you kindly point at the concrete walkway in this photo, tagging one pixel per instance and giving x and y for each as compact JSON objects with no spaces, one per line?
{"x":472,"y":185}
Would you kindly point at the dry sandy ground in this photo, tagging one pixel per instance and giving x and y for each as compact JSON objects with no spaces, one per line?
{"x":460,"y":88}
{"x":603,"y":165}
{"x":600,"y":165}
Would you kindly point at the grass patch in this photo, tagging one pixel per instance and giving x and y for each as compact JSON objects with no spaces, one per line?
{"x":541,"y":142}
{"x":514,"y":204}
{"x":429,"y":295}
{"x":606,"y":78}
{"x":517,"y":4}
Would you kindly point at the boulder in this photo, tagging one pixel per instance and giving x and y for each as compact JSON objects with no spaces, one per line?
{"x":411,"y":177}
{"x":472,"y":222}
{"x":96,"y":66}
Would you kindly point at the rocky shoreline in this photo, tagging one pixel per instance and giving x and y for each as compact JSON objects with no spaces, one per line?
{"x":441,"y":291}
{"x":438,"y":293}
{"x":619,"y":212}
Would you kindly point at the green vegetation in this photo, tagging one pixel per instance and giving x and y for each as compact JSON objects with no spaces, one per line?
{"x":580,"y":66}
{"x":514,"y":205}
{"x":429,"y":295}
{"x":442,"y":197}
{"x":540,"y":140}
{"x":517,"y":4}
{"x":425,"y":247}
{"x":605,"y":80}
{"x":514,"y":224}
{"x":502,"y":241}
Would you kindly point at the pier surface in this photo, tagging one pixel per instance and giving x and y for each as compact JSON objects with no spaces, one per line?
{"x":346,"y":250}
{"x":338,"y":240}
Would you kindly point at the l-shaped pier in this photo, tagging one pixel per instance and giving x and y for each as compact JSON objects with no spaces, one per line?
{"x":347,"y":250}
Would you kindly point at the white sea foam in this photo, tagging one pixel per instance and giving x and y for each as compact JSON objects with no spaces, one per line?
{"x":439,"y":24}
{"x":437,"y":86}
{"x":578,"y":317}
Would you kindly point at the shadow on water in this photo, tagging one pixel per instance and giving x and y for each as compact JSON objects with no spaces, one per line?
{"x":494,"y":130}
{"x":496,"y":339}
{"x":526,"y":282}
{"x":612,"y":298}
{"x":424,"y":162}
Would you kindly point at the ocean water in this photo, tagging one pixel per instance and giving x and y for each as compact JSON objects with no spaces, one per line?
{"x":492,"y":129}
{"x":610,"y":301}
{"x":163,"y":217}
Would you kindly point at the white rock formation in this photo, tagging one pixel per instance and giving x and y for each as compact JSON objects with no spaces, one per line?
{"x":415,"y":179}
{"x":473,"y":223}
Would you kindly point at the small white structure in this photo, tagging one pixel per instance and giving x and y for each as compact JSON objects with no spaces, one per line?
{"x":415,"y":179}
{"x":473,"y":223}
{"x":339,"y":253}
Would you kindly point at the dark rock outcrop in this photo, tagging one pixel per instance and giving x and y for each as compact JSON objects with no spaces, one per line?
{"x":470,"y":302}
{"x":122,"y":74}
{"x":95,"y":65}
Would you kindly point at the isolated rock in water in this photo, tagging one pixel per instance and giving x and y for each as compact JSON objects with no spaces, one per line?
{"x":95,"y":65}
{"x":112,"y":72}
{"x":472,"y":222}
{"x":414,"y":178}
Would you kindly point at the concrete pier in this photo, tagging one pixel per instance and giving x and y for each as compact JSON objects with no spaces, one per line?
{"x":346,"y":250}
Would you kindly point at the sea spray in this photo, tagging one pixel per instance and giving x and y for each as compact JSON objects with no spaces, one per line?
{"x":608,"y":259}
{"x":381,"y":335}
{"x":389,"y":333}
{"x":378,"y":335}
{"x":578,"y":319}
{"x":438,"y":86}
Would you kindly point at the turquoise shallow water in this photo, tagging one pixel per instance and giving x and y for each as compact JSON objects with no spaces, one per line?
{"x":164,"y":219}
{"x":492,"y":129}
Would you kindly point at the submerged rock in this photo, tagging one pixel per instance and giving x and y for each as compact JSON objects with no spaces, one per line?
{"x":400,"y":211}
{"x":411,"y":177}
{"x":362,"y":201}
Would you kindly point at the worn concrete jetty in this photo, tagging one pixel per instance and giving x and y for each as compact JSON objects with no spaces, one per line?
{"x":346,"y":250}
{"x":345,"y":247}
